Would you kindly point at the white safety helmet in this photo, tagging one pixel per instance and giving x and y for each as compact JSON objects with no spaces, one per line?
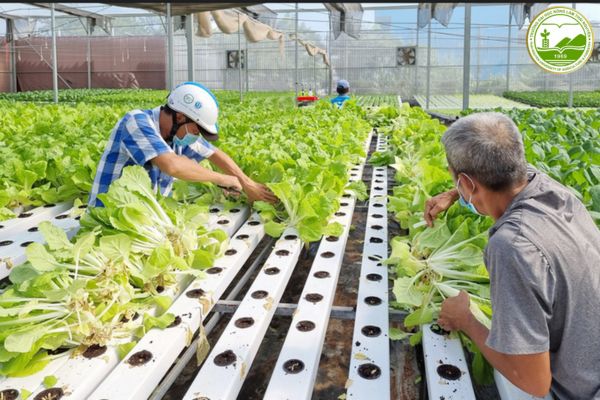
{"x":196,"y":102}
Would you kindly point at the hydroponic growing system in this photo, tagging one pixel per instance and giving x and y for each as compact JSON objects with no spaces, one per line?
{"x":331,"y":293}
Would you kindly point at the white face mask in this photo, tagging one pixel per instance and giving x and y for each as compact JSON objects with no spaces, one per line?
{"x":461,"y":200}
{"x":187,"y":140}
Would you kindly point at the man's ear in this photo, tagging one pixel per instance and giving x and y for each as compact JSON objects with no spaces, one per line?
{"x":180,"y":118}
{"x":472,"y":183}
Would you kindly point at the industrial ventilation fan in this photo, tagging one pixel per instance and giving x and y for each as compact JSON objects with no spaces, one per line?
{"x":406,"y":56}
{"x":233,"y":59}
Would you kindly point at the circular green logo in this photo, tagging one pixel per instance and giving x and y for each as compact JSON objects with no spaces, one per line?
{"x":560,"y":40}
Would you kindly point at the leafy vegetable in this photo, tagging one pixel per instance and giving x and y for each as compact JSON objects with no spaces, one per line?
{"x":86,"y":291}
{"x":303,"y":155}
{"x":368,"y":101}
{"x":382,"y":158}
{"x":556,"y":98}
{"x":430,"y":265}
{"x":50,"y":381}
{"x":50,"y":152}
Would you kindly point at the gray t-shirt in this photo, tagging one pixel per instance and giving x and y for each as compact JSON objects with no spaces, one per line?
{"x":543,"y":258}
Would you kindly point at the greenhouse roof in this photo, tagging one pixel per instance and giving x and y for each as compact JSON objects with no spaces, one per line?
{"x":16,"y":10}
{"x":186,"y":8}
{"x":97,"y":19}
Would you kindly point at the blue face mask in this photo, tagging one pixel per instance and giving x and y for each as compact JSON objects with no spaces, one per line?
{"x":467,"y":204}
{"x":187,"y":140}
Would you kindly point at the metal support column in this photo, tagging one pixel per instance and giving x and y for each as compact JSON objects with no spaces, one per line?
{"x":571,"y":79}
{"x":170,"y":52}
{"x":189,"y":36}
{"x":509,"y":45}
{"x":296,"y":52}
{"x":571,"y":90}
{"x":467,"y":57}
{"x":415,"y":90}
{"x":54,"y":62}
{"x":246,"y":64}
{"x":315,"y":75}
{"x":88,"y":55}
{"x":427,"y":84}
{"x":240,"y":58}
{"x":478,"y":61}
{"x":10,"y":30}
{"x":330,"y":72}
{"x":345,"y":76}
{"x":329,"y":68}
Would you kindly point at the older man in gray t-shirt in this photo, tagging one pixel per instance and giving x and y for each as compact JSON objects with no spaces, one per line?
{"x":543,"y":259}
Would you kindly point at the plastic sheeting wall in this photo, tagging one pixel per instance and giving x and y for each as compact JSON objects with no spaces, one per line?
{"x":369,"y":63}
{"x":4,"y":66}
{"x":116,"y":62}
{"x":268,"y":68}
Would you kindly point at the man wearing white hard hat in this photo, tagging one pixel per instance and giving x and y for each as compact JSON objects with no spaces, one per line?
{"x":169,"y":141}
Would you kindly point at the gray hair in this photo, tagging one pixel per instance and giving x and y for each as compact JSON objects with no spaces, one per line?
{"x":487,"y":146}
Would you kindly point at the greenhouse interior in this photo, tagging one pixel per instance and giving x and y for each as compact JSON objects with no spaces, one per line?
{"x":369,"y":201}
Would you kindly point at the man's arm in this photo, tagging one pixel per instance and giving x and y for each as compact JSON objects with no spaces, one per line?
{"x":183,"y":168}
{"x":529,"y":372}
{"x":438,"y":204}
{"x":254,"y":191}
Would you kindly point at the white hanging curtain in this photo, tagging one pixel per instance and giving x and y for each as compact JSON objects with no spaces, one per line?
{"x":203,"y":23}
{"x":280,"y":37}
{"x":254,"y":31}
{"x":312,"y":50}
{"x":345,"y":17}
{"x":442,"y":12}
{"x":536,"y":9}
{"x":325,"y":57}
{"x":228,"y":21}
{"x":522,"y":11}
{"x":518,"y":13}
{"x":423,"y":14}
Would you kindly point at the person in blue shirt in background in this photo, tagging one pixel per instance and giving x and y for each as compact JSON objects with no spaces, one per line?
{"x":343,"y":87}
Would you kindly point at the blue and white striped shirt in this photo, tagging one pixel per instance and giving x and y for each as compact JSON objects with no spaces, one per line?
{"x":136,"y":140}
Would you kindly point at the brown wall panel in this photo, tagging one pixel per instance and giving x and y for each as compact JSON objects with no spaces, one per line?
{"x":116,"y":62}
{"x":4,"y":66}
